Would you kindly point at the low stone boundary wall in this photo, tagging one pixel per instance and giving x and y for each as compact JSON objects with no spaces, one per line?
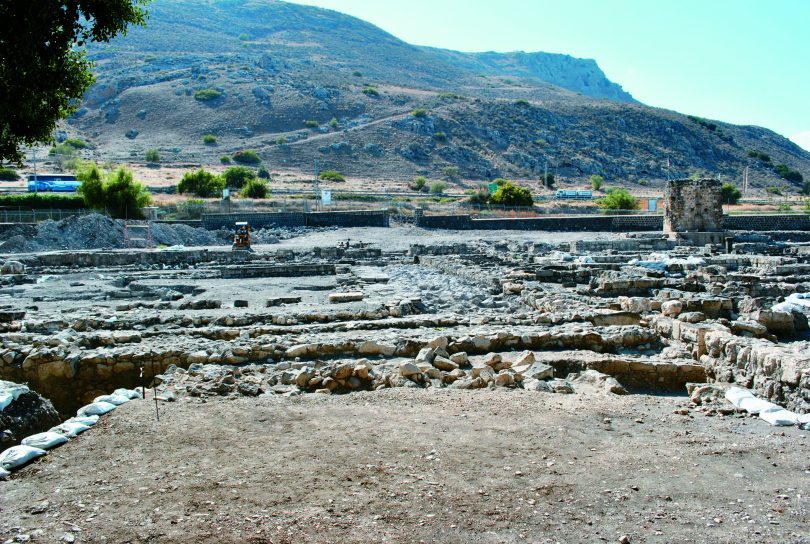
{"x":360,"y":218}
{"x":605,"y":223}
{"x":277,"y":271}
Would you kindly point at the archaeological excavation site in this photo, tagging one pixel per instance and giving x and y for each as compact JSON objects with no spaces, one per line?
{"x":353,"y":379}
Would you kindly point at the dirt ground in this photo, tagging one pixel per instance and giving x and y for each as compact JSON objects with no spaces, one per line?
{"x":406,"y":465}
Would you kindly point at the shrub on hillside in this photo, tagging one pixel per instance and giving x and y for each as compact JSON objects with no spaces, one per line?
{"x":237,"y":176}
{"x":730,"y":194}
{"x":480,"y":195}
{"x":789,"y":174}
{"x":201,"y":183}
{"x":247,"y":156}
{"x":371,"y":92}
{"x":225,"y":159}
{"x":331,"y":175}
{"x":618,"y":199}
{"x":204,"y":95}
{"x":209,"y":139}
{"x":437,"y":187}
{"x":153,"y":155}
{"x":510,"y":194}
{"x":255,"y":188}
{"x":75,"y":143}
{"x":8,"y":174}
{"x":419,"y":112}
{"x":263,"y":172}
{"x":451,"y":172}
{"x":440,"y":136}
{"x":596,"y":182}
{"x":419,"y":183}
{"x":773,"y":190}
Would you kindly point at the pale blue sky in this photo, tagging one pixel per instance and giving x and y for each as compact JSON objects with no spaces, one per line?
{"x":741,"y":61}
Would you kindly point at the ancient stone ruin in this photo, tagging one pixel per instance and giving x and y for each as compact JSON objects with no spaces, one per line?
{"x":693,"y":211}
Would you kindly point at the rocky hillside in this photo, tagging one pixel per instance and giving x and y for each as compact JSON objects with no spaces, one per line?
{"x":311,"y":88}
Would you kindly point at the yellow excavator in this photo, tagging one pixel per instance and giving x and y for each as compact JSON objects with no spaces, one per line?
{"x":241,"y":239}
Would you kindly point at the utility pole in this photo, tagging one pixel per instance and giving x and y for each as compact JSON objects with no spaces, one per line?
{"x":316,"y":186}
{"x":745,"y":181}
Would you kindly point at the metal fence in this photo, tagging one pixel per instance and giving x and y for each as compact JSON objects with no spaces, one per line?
{"x":20,"y":215}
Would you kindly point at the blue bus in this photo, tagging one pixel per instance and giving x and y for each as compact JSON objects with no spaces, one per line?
{"x":573,"y":194}
{"x":57,"y":183}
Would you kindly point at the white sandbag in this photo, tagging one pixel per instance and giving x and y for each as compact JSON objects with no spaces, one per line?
{"x":70,"y":428}
{"x":4,"y":474}
{"x":779,"y":417}
{"x":736,"y":394}
{"x":118,"y":400}
{"x":84,"y":420}
{"x":17,"y":456}
{"x":803,"y":421}
{"x":9,"y":392}
{"x":45,"y":441}
{"x":753,"y":405}
{"x":96,"y":409}
{"x":129,"y":393}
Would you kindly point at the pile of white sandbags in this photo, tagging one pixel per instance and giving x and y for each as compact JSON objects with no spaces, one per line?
{"x":772,"y":413}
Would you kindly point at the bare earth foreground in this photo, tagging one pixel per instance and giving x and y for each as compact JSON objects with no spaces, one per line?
{"x":404,"y":465}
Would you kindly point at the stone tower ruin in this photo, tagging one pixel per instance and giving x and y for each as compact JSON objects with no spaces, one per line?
{"x":693,"y":210}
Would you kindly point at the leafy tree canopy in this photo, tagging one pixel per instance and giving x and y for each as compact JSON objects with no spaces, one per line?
{"x":43,"y":69}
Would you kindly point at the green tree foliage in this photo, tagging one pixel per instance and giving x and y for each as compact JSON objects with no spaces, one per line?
{"x":437,"y":187}
{"x":281,"y":140}
{"x":596,"y":182}
{"x":371,"y":92}
{"x":332,"y":175}
{"x":419,"y":112}
{"x":618,"y":199}
{"x":263,"y":172}
{"x":805,"y":190}
{"x":38,"y":201}
{"x":201,"y":183}
{"x":333,"y":123}
{"x":510,"y":194}
{"x":730,"y":193}
{"x":440,"y":136}
{"x":247,"y":156}
{"x":225,"y":159}
{"x":209,"y":139}
{"x":125,"y":198}
{"x":787,"y":173}
{"x":311,"y":123}
{"x":43,"y":68}
{"x":237,"y":177}
{"x":764,"y":157}
{"x":119,"y":194}
{"x":76,"y":143}
{"x":255,"y":188}
{"x":773,"y":190}
{"x":548,"y":180}
{"x":480,"y":195}
{"x":153,"y":155}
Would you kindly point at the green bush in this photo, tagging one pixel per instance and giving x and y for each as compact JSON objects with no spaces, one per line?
{"x":783,"y":207}
{"x":596,"y":182}
{"x":204,"y":95}
{"x":331,"y":175}
{"x":237,"y":177}
{"x":263,"y":172}
{"x":787,"y":173}
{"x":773,"y":190}
{"x":730,"y":193}
{"x":371,"y":92}
{"x":62,"y":149}
{"x":244,"y":36}
{"x":418,"y":184}
{"x":419,"y":112}
{"x":201,"y":183}
{"x":255,"y":188}
{"x":451,"y":172}
{"x":510,"y":194}
{"x":120,"y":195}
{"x":618,"y":199}
{"x":75,"y":143}
{"x":209,"y":139}
{"x":38,"y":201}
{"x":548,"y":180}
{"x":152,"y":155}
{"x":247,"y":156}
{"x":440,"y":136}
{"x":357,"y":73}
{"x":764,"y":157}
{"x":437,"y":187}
{"x":522,"y":102}
{"x":333,"y":123}
{"x":8,"y":174}
{"x":225,"y":159}
{"x":311,"y":123}
{"x":806,"y":207}
{"x":805,"y":190}
{"x":281,"y":140}
{"x":480,"y":195}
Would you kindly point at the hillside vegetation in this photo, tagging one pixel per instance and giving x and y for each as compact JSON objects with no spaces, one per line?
{"x":311,"y":88}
